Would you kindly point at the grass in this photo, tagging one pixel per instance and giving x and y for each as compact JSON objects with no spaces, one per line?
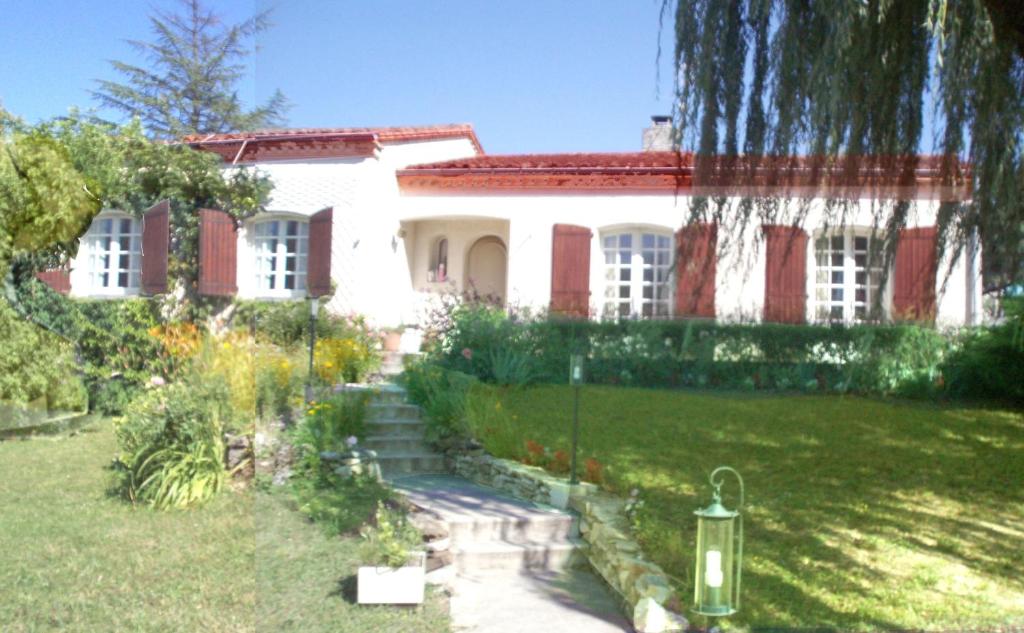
{"x":73,"y":558}
{"x":861,"y":513}
{"x":306,"y":581}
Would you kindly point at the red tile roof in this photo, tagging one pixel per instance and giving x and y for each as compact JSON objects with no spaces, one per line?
{"x":322,"y":142}
{"x":656,"y":172}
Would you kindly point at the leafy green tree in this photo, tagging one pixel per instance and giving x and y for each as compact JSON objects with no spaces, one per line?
{"x":190,"y":85}
{"x":46,"y":201}
{"x":758,"y":79}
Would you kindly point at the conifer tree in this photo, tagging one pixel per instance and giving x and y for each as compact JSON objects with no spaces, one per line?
{"x":190,"y":83}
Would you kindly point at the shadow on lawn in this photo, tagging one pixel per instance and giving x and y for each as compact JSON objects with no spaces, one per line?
{"x":835,"y":487}
{"x":347,"y":589}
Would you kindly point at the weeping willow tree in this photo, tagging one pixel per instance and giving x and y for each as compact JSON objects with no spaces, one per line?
{"x":855,"y":83}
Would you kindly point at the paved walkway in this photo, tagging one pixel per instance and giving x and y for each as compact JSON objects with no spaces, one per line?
{"x":512,"y":562}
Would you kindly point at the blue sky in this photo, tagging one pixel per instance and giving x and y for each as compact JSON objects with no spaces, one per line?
{"x":531,"y":75}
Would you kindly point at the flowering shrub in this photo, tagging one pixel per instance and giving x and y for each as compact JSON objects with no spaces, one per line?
{"x":341,"y":360}
{"x":534,"y":454}
{"x":278,"y":384}
{"x":170,"y":443}
{"x":593,"y":471}
{"x":329,"y":426}
{"x":180,"y":341}
{"x":391,"y":540}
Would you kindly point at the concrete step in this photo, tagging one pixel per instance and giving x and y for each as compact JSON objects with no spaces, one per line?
{"x":392,"y":411}
{"x":384,"y":444}
{"x":504,"y":556}
{"x":533,"y":528}
{"x":405,"y":428}
{"x":410,"y":463}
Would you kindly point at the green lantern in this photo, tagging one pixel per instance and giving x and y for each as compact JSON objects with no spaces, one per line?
{"x":719,"y":553}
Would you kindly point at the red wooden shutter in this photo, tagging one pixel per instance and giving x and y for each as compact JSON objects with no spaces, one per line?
{"x":785,"y":288}
{"x":913,"y":292}
{"x":155,"y":238}
{"x":570,"y":270}
{"x":218,"y":253}
{"x":59,"y":279}
{"x":696,"y":263}
{"x":318,"y":266}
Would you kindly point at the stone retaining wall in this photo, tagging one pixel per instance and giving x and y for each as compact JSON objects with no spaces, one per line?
{"x":642,"y":585}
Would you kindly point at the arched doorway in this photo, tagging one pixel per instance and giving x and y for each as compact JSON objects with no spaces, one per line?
{"x":487,"y":266}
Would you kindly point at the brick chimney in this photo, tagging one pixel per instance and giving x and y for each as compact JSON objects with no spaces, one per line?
{"x":660,"y":137}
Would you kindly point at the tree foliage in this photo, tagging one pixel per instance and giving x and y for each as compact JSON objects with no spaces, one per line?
{"x":190,"y":85}
{"x":863,"y":79}
{"x":46,"y":201}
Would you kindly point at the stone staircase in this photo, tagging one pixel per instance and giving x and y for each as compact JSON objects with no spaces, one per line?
{"x":490,"y":532}
{"x":395,"y":430}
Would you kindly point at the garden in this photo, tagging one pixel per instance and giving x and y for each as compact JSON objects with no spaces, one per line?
{"x":880,"y":465}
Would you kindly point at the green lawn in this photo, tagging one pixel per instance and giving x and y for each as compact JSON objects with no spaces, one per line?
{"x":74,"y":559}
{"x":861,"y":513}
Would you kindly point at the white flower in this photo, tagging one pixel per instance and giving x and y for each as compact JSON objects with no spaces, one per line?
{"x":351,"y":441}
{"x":157,"y":381}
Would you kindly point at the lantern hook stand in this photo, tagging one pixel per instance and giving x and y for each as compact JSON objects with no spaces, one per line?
{"x":718,"y":497}
{"x":717,"y":485}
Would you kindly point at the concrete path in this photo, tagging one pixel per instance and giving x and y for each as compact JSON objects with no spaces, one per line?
{"x":515,"y":562}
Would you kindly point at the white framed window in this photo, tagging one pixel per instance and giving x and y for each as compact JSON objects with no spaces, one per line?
{"x":848,"y":277}
{"x":281,"y":247}
{"x":113,"y":255}
{"x":637,"y":267}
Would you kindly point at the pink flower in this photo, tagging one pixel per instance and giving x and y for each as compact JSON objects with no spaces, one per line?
{"x":467,"y":353}
{"x":157,"y":381}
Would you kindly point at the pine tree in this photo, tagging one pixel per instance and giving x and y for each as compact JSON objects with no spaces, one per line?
{"x":854,"y":78}
{"x":190,"y":83}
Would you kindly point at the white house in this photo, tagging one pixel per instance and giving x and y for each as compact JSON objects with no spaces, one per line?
{"x":394,"y":215}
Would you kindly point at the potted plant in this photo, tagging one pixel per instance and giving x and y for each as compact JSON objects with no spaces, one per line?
{"x":396,"y":573}
{"x":393,"y":339}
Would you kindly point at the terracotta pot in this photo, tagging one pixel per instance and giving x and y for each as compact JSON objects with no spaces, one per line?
{"x":392,"y":341}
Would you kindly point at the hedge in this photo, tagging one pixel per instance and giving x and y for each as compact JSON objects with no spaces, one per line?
{"x":889,"y":359}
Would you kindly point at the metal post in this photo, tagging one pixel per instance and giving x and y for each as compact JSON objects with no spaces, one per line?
{"x":313,"y":305}
{"x":573,"y":479}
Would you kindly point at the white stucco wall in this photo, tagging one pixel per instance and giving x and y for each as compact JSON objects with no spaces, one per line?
{"x":740,"y":279}
{"x":368,"y":259}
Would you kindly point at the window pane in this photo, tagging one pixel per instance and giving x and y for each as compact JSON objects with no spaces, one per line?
{"x":837,"y":294}
{"x":663,"y":242}
{"x":626,"y":240}
{"x":623,"y":310}
{"x":647,"y":310}
{"x":860,"y":243}
{"x":291,"y":245}
{"x":821,"y":244}
{"x":126,"y":225}
{"x":106,"y":226}
{"x":821,"y":276}
{"x":647,"y":241}
{"x":648,"y":292}
{"x":837,"y":260}
{"x":861,"y":294}
{"x":293,"y":227}
{"x":837,"y":242}
{"x":625,"y":274}
{"x":836,"y":312}
{"x":289,"y":264}
{"x":122,"y":280}
{"x":624,"y":292}
{"x":609,"y":242}
{"x":289,"y":282}
{"x":648,"y":274}
{"x":625,"y":257}
{"x":860,"y":260}
{"x":861,"y":278}
{"x":837,"y":276}
{"x":123,"y":261}
{"x":860,"y":311}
